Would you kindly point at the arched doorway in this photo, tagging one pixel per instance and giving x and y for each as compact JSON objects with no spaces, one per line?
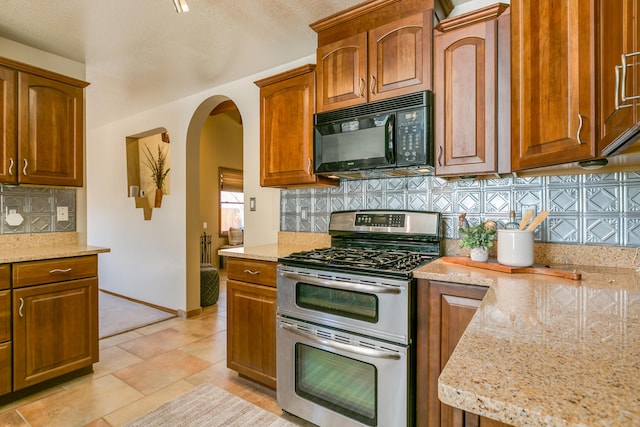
{"x":214,"y":133}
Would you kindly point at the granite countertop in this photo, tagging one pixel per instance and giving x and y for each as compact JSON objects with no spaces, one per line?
{"x":546,"y":351}
{"x":49,"y":252}
{"x":266,"y":252}
{"x":33,"y":247}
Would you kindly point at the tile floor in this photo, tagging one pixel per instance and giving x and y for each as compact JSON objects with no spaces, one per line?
{"x":140,"y":370}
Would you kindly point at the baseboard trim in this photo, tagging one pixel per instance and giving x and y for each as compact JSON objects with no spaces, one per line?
{"x":148,"y":304}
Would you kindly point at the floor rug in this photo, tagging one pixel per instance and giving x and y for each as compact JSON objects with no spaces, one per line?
{"x":210,"y":406}
{"x":118,"y":315}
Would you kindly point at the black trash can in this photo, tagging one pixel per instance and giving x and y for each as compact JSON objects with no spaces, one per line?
{"x":209,"y":285}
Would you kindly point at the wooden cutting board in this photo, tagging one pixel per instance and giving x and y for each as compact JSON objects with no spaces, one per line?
{"x":494,"y":265}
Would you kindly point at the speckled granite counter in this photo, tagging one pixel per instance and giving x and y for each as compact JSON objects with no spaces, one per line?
{"x":265,"y":252}
{"x":32,"y":247}
{"x":544,"y":351}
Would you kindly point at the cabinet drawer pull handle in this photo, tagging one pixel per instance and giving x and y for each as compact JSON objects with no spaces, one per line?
{"x":579,"y":129}
{"x":309,"y":167}
{"x":623,"y":83}
{"x":362,"y":83}
{"x":372,"y":85}
{"x":24,"y":169}
{"x":617,"y":102}
{"x":252,"y":272}
{"x":21,"y":306}
{"x":440,"y":155}
{"x":60,"y":270}
{"x":11,"y":163}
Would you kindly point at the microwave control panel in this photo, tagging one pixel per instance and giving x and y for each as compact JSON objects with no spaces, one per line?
{"x":410,"y":138}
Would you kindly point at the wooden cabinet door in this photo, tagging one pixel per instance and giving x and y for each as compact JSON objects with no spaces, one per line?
{"x":5,"y":368}
{"x":444,"y":311}
{"x":55,"y":330}
{"x":465,"y":71}
{"x":5,"y":316}
{"x":287,"y":103}
{"x":9,"y":144}
{"x":50,"y":131}
{"x":618,"y":35}
{"x":251,"y":331}
{"x":399,"y":56}
{"x":552,"y":82}
{"x":342,"y":73}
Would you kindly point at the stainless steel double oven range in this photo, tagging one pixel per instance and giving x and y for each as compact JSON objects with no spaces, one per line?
{"x":346,"y":319}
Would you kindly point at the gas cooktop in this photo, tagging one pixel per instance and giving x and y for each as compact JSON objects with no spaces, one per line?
{"x":359,"y":259}
{"x":375,"y":242}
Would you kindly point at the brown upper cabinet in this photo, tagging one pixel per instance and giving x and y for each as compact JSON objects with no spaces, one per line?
{"x":471,"y":84}
{"x":618,"y":36}
{"x":287,"y":103}
{"x":372,"y":51}
{"x":553,"y":115}
{"x":42,"y":120}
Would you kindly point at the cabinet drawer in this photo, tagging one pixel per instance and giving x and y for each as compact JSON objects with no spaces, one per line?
{"x":252,"y":271}
{"x":5,"y":316}
{"x":5,"y":276}
{"x":54,"y":270}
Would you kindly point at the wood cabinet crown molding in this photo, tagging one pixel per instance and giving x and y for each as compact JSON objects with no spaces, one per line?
{"x":19,"y":66}
{"x":307,"y":68}
{"x":364,"y":17}
{"x":475,"y":16}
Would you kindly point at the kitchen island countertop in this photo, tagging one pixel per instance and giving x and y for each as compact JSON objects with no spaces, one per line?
{"x":546,"y":351}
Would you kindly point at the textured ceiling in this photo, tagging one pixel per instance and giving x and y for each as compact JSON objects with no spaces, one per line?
{"x":141,"y":53}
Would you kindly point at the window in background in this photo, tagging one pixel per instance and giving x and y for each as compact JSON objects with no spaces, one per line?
{"x":231,"y":200}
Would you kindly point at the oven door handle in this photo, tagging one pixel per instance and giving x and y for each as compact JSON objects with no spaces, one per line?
{"x":346,"y":286}
{"x":361,"y":351}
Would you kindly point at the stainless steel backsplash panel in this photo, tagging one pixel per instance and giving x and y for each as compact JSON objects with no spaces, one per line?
{"x":38,"y":207}
{"x":599,"y":209}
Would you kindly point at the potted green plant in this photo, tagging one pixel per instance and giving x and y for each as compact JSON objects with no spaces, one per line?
{"x":158,"y":172}
{"x":479,"y":239}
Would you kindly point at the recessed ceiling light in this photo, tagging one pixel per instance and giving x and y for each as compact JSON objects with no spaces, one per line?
{"x":181,"y":6}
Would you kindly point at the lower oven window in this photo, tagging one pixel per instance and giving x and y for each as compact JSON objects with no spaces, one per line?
{"x":344,"y":303}
{"x":344,"y":385}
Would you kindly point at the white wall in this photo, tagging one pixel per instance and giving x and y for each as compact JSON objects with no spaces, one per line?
{"x":148,"y":259}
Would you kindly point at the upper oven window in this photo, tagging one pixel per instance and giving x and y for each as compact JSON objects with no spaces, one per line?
{"x":339,"y":302}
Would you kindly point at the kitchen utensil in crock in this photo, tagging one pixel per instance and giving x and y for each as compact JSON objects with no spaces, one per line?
{"x":538,"y":220}
{"x":525,"y":219}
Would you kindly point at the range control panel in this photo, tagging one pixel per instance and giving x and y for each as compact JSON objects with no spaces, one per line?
{"x":380,"y":220}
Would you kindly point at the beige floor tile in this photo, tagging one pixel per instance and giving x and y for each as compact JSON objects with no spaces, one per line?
{"x":119,"y":339}
{"x":148,"y":403}
{"x":203,"y":326}
{"x":113,"y":359}
{"x":160,"y":371}
{"x":155,"y":327}
{"x":212,"y":348}
{"x":12,"y":419}
{"x":79,"y":405}
{"x":157,"y":343}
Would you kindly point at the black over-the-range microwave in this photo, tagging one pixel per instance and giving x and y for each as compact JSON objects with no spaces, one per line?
{"x":389,"y":135}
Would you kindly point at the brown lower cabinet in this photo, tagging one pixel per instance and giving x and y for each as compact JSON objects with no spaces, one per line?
{"x":444,"y":311}
{"x":5,"y":329}
{"x":48,"y":320}
{"x":251,"y":319}
{"x":54,"y":331}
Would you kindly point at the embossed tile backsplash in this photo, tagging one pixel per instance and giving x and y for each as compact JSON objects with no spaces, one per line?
{"x":38,"y":207}
{"x":599,"y":209}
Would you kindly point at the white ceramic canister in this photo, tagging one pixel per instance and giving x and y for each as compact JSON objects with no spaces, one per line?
{"x":515,"y":248}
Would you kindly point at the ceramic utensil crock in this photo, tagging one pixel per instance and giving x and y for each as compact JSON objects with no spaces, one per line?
{"x":515,"y":248}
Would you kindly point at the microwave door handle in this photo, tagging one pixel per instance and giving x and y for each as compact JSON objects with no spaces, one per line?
{"x":345,"y":286}
{"x":362,"y":351}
